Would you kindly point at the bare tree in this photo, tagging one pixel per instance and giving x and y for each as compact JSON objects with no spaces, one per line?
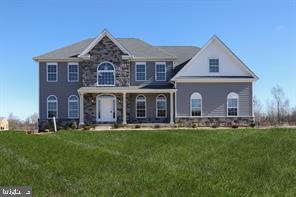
{"x":293,"y":116}
{"x":270,"y":117}
{"x":14,"y":122}
{"x":282,"y":104}
{"x":257,"y":109}
{"x":31,"y":123}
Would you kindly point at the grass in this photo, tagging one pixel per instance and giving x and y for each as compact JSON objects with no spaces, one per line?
{"x":244,"y":162}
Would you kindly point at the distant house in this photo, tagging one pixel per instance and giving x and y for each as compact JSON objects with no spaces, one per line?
{"x":4,"y":125}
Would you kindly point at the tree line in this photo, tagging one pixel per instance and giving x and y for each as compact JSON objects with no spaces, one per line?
{"x":278,"y":111}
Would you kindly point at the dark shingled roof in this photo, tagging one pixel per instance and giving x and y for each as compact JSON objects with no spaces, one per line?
{"x":184,"y":53}
{"x":138,"y":48}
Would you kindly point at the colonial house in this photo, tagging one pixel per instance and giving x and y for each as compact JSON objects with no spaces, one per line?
{"x":127,"y":80}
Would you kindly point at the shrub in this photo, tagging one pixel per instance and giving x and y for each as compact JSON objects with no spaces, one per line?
{"x":234,"y":126}
{"x":214,"y":125}
{"x":74,"y":125}
{"x":117,"y":125}
{"x":194,"y":125}
{"x":86,"y":127}
{"x":252,"y":124}
{"x":137,"y":126}
{"x":157,"y":126}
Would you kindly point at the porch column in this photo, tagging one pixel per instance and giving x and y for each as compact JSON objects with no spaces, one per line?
{"x":172,"y":108}
{"x":124,"y":108}
{"x":81,"y":109}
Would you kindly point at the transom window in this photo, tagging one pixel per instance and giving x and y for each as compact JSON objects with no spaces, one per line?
{"x":140,"y":71}
{"x":73,"y":107}
{"x":161,"y":106}
{"x":52,"y":106}
{"x":232,"y":104}
{"x":195,"y":104}
{"x":52,"y":72}
{"x":106,"y":74}
{"x":160,"y":71}
{"x":214,"y":65}
{"x":141,"y":106}
{"x":73,"y":72}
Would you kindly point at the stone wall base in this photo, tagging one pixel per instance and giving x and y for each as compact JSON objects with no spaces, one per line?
{"x":214,"y":122}
{"x":44,"y":124}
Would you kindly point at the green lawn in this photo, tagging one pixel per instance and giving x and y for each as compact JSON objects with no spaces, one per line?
{"x":242,"y":162}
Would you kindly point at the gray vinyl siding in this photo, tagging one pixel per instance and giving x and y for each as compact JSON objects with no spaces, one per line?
{"x":150,"y":74}
{"x":214,"y":98}
{"x":150,"y":108}
{"x":62,"y":89}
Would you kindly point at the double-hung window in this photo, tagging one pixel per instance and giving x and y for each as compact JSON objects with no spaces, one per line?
{"x":160,"y":71}
{"x":73,"y":72}
{"x":161,"y":106}
{"x":196,"y":104}
{"x":141,"y":106}
{"x":52,"y":72}
{"x":73,"y":107}
{"x":232,"y":104}
{"x":140,"y":71}
{"x":52,"y":106}
{"x":214,"y":65}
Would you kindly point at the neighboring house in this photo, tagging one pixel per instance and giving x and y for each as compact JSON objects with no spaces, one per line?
{"x":127,"y":80}
{"x":4,"y":125}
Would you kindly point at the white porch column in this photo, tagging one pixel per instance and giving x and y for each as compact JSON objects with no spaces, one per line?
{"x":172,"y":108}
{"x":81,"y":109}
{"x":124,"y":108}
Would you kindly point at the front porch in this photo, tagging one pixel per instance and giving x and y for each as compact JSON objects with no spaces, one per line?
{"x":126,"y":105}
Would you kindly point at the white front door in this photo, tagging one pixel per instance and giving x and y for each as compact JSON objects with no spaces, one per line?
{"x":106,"y":108}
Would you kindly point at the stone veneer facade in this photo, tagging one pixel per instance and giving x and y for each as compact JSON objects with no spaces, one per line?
{"x":214,"y":121}
{"x":90,"y":109}
{"x":105,"y":50}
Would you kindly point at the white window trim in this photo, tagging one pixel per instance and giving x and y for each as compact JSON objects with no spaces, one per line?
{"x":165,"y":70}
{"x":69,"y":107}
{"x":237,"y":97}
{"x":57,"y":73}
{"x":145,"y":106}
{"x":166,"y":106}
{"x":47,"y":106}
{"x":73,"y":63}
{"x":140,"y":63}
{"x":106,"y":71}
{"x":218,"y":65}
{"x":201,"y":115}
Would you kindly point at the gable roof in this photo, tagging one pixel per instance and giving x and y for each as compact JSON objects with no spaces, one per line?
{"x":68,"y":51}
{"x":183,"y":53}
{"x":136,"y":47}
{"x":222,"y":44}
{"x":141,"y":49}
{"x":104,"y":33}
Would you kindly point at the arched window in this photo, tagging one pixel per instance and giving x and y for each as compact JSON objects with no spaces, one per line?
{"x":232,"y":104}
{"x":73,"y":107}
{"x":161,"y":106}
{"x":141,"y":106}
{"x":106,"y":74}
{"x":196,"y":104}
{"x":52,"y":106}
